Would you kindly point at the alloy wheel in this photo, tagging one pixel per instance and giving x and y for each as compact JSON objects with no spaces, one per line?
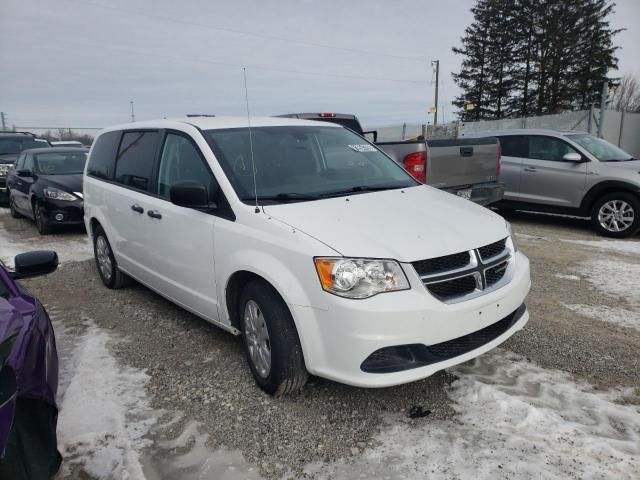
{"x":103,"y":255}
{"x":257,"y":338}
{"x":616,"y":216}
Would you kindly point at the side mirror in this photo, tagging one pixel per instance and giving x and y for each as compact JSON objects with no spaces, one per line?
{"x":24,"y":173}
{"x":372,"y":132}
{"x":191,"y":195}
{"x":34,"y":264}
{"x":572,"y":157}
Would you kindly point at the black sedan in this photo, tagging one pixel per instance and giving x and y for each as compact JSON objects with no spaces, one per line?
{"x":46,"y":185}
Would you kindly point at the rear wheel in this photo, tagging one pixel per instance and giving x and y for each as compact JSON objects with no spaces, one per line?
{"x":44,"y":228}
{"x":271,"y":341}
{"x":107,"y":265}
{"x":616,"y":215}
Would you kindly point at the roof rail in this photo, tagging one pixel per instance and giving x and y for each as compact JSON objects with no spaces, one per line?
{"x":190,"y":115}
{"x":19,"y":132}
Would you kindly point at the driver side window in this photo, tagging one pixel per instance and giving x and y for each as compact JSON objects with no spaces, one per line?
{"x":28,"y":163}
{"x":181,"y":161}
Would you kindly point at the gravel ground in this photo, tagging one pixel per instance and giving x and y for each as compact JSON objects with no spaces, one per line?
{"x":199,"y":370}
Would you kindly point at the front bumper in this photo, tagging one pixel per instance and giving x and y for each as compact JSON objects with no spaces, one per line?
{"x":482,"y":193}
{"x":336,"y":341}
{"x":4,"y":192}
{"x":59,"y":212}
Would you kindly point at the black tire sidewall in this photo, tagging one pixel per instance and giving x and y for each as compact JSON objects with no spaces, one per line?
{"x":12,"y":208}
{"x":283,"y":335}
{"x":42,"y":224}
{"x":624,"y":196}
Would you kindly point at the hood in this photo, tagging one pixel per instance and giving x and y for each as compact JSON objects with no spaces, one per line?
{"x":633,"y":165}
{"x":406,"y":225}
{"x":8,"y":158}
{"x":69,"y":183}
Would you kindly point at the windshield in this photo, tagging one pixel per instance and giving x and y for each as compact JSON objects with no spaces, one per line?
{"x":295,"y":163}
{"x":601,"y":149}
{"x":15,"y":145}
{"x":58,"y":163}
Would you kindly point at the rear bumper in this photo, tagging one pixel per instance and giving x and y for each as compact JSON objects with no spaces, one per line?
{"x":482,"y":193}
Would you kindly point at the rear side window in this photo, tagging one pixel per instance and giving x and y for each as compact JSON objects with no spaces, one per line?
{"x":103,"y":154}
{"x":136,"y":156}
{"x":514,"y":146}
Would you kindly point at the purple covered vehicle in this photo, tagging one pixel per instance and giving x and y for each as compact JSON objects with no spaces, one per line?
{"x":28,"y":374}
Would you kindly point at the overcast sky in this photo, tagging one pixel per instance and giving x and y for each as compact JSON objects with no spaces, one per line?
{"x":78,"y":63}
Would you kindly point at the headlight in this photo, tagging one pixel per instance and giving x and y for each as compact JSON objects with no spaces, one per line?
{"x":4,"y":168}
{"x":360,"y":277}
{"x":512,"y":235}
{"x":56,"y":194}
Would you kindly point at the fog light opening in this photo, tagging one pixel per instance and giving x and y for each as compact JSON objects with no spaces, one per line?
{"x":59,"y":217}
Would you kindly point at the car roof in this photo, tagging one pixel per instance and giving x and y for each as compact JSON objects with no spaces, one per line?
{"x":217,"y":123}
{"x":523,"y":131}
{"x":56,"y":150}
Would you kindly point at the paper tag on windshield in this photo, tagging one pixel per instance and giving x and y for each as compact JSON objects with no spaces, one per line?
{"x":363,"y":148}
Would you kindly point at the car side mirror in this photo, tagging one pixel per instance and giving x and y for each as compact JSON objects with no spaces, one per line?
{"x":572,"y":157}
{"x":24,"y":173}
{"x":34,"y":264}
{"x":191,"y":195}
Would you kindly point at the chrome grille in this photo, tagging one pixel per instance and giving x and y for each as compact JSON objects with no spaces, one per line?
{"x":463,"y":275}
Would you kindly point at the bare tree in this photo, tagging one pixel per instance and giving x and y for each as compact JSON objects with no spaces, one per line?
{"x":626,"y":97}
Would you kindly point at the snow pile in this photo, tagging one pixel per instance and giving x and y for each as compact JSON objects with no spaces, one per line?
{"x":514,"y":420}
{"x":69,"y":248}
{"x":621,"y":316}
{"x":614,"y":277}
{"x":565,"y":276}
{"x":104,"y":414}
{"x":630,"y":246}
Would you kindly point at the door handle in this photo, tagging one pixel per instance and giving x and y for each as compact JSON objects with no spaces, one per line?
{"x":137,"y":208}
{"x":154,"y":214}
{"x":530,"y":169}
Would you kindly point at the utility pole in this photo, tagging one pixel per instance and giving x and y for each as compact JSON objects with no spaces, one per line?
{"x":4,"y":124}
{"x":435,"y":114}
{"x":603,"y":107}
{"x":133,"y":115}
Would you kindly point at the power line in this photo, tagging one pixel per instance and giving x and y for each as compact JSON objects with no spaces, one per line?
{"x":250,"y":34}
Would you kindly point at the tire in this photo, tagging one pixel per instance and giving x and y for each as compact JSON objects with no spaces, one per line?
{"x":44,"y":228}
{"x":616,"y":215}
{"x":106,"y":263}
{"x":12,"y":209}
{"x":262,"y":310}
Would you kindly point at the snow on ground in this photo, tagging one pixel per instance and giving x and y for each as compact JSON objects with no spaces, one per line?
{"x":104,"y":413}
{"x":107,"y":428}
{"x":620,"y":316}
{"x":74,"y":247}
{"x":566,"y":276}
{"x":533,"y":238}
{"x":614,"y":276}
{"x":514,"y":420}
{"x":629,"y":246}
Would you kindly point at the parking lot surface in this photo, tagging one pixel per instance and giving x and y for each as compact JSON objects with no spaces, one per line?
{"x":150,"y":391}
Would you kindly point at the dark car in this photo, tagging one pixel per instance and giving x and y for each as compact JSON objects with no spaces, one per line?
{"x":11,"y":145}
{"x":46,"y":185}
{"x":28,"y":375}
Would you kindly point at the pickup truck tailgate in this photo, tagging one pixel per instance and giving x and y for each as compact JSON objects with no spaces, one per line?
{"x":459,"y":162}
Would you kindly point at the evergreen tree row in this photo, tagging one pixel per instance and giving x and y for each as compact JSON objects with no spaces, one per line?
{"x":533,"y":57}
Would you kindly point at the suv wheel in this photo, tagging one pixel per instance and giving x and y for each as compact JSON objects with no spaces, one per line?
{"x":271,"y":341}
{"x":108,"y":269}
{"x":616,"y":215}
{"x":41,"y":221}
{"x":12,"y":209}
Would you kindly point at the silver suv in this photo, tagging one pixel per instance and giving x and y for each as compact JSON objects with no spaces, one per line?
{"x":571,"y":173}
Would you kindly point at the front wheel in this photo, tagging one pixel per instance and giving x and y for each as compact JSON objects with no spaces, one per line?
{"x":271,"y":341}
{"x":616,"y":215}
{"x":12,"y":209}
{"x":41,"y":220}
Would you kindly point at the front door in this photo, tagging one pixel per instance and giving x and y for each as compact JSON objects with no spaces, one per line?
{"x":181,"y":240}
{"x":547,"y":178}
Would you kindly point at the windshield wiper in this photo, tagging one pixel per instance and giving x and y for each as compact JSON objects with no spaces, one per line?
{"x":361,"y":188}
{"x":284,"y":197}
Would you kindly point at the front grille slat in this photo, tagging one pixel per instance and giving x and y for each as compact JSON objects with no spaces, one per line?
{"x":451,"y":277}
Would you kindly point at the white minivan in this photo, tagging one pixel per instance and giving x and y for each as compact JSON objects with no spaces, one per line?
{"x":307,"y":240}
